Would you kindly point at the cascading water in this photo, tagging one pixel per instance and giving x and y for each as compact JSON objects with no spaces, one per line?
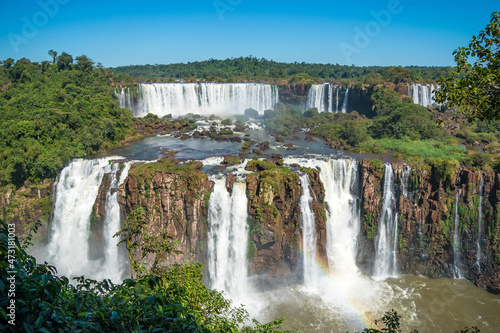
{"x":457,"y":258}
{"x":337,"y":101}
{"x":405,"y":180}
{"x":422,"y":94}
{"x":346,"y":99}
{"x":340,"y":179}
{"x":179,"y":99}
{"x":343,"y":220}
{"x":228,"y":240}
{"x":308,"y":236}
{"x":77,"y":187}
{"x":480,"y":223}
{"x":386,"y":242}
{"x":320,"y":96}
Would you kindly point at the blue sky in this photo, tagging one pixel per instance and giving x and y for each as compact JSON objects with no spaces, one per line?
{"x":406,"y":32}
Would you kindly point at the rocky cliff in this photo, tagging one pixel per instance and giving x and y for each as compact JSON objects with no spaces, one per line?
{"x":426,"y":204}
{"x":27,"y":205}
{"x":275,"y":221}
{"x":175,"y":200}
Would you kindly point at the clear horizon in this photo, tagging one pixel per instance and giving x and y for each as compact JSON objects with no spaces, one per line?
{"x":360,"y":33}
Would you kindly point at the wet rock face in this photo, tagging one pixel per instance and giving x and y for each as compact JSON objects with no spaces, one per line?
{"x":26,"y":206}
{"x":426,"y":208}
{"x":174,"y":200}
{"x":273,"y":209}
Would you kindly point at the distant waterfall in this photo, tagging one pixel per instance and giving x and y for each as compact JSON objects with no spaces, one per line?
{"x":337,"y":101}
{"x":480,"y":223}
{"x":387,"y":238}
{"x":77,"y":187}
{"x":308,"y":235}
{"x":457,"y":258}
{"x":179,"y":99}
{"x":321,"y":96}
{"x":346,"y":99}
{"x":124,"y":98}
{"x":422,"y":94}
{"x":228,"y":239}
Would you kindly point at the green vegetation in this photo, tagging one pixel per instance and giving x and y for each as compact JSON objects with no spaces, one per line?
{"x":146,"y":171}
{"x":409,"y":131}
{"x":231,"y":160}
{"x":475,"y":87}
{"x":52,"y":113}
{"x":173,"y":300}
{"x":225,"y":131}
{"x":262,"y":70}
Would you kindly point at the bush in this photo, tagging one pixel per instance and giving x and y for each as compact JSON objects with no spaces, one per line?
{"x":251,"y":113}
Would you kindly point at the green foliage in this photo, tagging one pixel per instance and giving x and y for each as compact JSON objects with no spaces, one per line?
{"x":251,"y":113}
{"x":53,"y":114}
{"x":231,"y":160}
{"x":371,"y":229}
{"x":260,"y":165}
{"x":425,"y":149}
{"x":263,"y":70}
{"x":399,"y":118}
{"x":311,"y":113}
{"x":474,"y":87}
{"x":391,"y":321}
{"x":174,"y":301}
{"x":227,"y":122}
{"x":246,"y":145}
{"x":446,"y":169}
{"x":352,"y":132}
{"x":225,"y":131}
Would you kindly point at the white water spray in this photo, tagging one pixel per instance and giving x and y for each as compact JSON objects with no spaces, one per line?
{"x":457,"y":258}
{"x":77,"y":187}
{"x":387,"y":238}
{"x":228,"y":240}
{"x":308,"y":236}
{"x":423,"y":94}
{"x":480,"y":223}
{"x":346,"y":100}
{"x":179,"y":99}
{"x":337,"y":101}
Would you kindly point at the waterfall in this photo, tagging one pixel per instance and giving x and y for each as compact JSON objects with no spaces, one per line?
{"x":337,"y":101}
{"x":320,"y":96}
{"x":343,"y":217}
{"x":346,"y":98}
{"x":387,"y":238}
{"x":457,"y":260}
{"x":340,"y":179}
{"x":405,"y":180}
{"x":308,"y":236}
{"x":480,"y":223}
{"x":77,"y":187}
{"x":228,"y":239}
{"x":422,"y":94}
{"x":179,"y":99}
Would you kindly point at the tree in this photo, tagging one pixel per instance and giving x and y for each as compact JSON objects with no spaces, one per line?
{"x":83,"y":63}
{"x":64,"y":61}
{"x":476,"y":87}
{"x":8,"y":62}
{"x":53,"y":54}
